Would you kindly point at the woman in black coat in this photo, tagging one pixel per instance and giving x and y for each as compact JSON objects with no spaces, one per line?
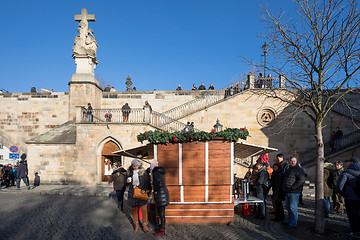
{"x":138,"y":177}
{"x":161,"y":196}
{"x":277,"y":196}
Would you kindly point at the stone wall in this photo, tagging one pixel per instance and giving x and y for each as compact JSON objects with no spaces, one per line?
{"x":26,"y":115}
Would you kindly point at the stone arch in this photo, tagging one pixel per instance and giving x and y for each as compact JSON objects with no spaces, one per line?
{"x":105,"y":147}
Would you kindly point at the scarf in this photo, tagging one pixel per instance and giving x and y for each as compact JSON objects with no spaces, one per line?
{"x":136,"y":181}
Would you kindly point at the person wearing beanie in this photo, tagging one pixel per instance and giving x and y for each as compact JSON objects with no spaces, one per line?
{"x":138,"y":177}
{"x":346,"y":186}
{"x":22,"y":172}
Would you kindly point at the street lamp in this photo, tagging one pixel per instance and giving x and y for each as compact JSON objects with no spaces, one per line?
{"x":265,"y":48}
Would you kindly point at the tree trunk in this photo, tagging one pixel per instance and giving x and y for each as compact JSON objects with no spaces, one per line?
{"x":319,"y":183}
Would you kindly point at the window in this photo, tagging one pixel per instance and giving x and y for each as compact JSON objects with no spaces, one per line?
{"x":1,"y":146}
{"x":1,"y":157}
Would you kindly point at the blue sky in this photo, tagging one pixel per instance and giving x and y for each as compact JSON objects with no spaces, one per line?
{"x":160,"y":44}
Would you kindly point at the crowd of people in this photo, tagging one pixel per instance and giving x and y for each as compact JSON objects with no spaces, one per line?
{"x":287,"y":178}
{"x":11,"y":174}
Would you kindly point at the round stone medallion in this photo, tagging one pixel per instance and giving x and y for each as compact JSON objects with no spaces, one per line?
{"x":266,"y":117}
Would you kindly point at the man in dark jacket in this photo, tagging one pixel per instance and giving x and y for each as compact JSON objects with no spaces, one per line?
{"x":262,"y":188}
{"x":337,"y":199}
{"x":293,"y":180}
{"x":346,"y":187}
{"x":118,"y":177}
{"x":22,"y":172}
{"x":277,"y":196}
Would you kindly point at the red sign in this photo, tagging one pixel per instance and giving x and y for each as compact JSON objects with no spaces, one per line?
{"x":14,"y":149}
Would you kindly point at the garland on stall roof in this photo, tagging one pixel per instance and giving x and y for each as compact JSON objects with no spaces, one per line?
{"x":163,"y":137}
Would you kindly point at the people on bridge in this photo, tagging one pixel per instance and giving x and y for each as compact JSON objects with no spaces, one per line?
{"x":126,"y":112}
{"x":89,"y":113}
{"x":194,"y":87}
{"x":211,"y":87}
{"x":178,"y":88}
{"x":337,"y":139}
{"x":202,"y":87}
{"x":107,"y":88}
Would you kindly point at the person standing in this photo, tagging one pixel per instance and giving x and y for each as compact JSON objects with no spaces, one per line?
{"x":125,"y":112}
{"x":338,"y":201}
{"x":138,"y":177}
{"x":277,"y":196}
{"x":261,"y":188}
{"x":211,"y":87}
{"x":7,"y":172}
{"x":346,"y":187}
{"x":118,"y":178}
{"x":194,"y":87}
{"x":161,"y":196}
{"x":280,"y":159}
{"x":337,"y":139}
{"x":328,"y":168}
{"x":22,"y":172}
{"x":294,"y":179}
{"x":202,"y":87}
{"x":89,"y":113}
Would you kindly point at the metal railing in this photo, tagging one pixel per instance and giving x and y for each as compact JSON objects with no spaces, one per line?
{"x":166,"y":123}
{"x":135,"y":115}
{"x":347,"y":111}
{"x":331,"y":147}
{"x":209,"y":98}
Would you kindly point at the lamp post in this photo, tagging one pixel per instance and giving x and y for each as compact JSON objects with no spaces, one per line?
{"x":265,"y":48}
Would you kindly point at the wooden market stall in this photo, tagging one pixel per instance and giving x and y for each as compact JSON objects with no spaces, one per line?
{"x":199,"y":177}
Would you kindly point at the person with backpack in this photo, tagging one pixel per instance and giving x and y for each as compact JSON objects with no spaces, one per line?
{"x":349,"y":187}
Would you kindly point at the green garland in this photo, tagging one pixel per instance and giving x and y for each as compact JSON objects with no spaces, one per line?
{"x":163,"y":137}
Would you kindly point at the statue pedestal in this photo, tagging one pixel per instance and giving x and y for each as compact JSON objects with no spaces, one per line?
{"x":84,"y":87}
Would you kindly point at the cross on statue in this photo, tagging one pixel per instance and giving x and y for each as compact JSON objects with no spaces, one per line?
{"x":83,"y":20}
{"x":84,"y":16}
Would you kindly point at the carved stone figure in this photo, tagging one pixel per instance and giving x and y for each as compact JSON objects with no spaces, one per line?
{"x":128,"y":83}
{"x":85,"y":42}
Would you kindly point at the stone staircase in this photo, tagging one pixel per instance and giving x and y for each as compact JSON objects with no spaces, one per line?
{"x":208,"y":99}
{"x":347,"y":142}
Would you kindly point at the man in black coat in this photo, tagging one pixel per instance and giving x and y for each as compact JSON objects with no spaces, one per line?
{"x":22,"y":172}
{"x":262,"y":188}
{"x":293,"y":181}
{"x":118,"y":178}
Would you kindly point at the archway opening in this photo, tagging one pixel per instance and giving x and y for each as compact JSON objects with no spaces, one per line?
{"x":109,"y":160}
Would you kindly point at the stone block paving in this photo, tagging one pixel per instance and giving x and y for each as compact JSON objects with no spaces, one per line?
{"x":75,"y":212}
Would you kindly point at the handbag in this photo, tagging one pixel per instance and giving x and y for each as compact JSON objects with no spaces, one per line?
{"x":139,"y":195}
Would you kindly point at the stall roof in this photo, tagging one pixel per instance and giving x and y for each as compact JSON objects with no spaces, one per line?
{"x":241,"y":151}
{"x":147,"y":149}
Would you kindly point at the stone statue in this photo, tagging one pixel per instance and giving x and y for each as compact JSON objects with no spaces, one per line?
{"x":128,"y":83}
{"x":85,"y":43}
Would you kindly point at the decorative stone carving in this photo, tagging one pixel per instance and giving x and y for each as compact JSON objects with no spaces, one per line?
{"x":85,"y":42}
{"x":266,"y":117}
{"x":128,"y":84}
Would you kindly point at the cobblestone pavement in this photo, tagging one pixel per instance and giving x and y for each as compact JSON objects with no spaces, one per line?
{"x":48,"y":214}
